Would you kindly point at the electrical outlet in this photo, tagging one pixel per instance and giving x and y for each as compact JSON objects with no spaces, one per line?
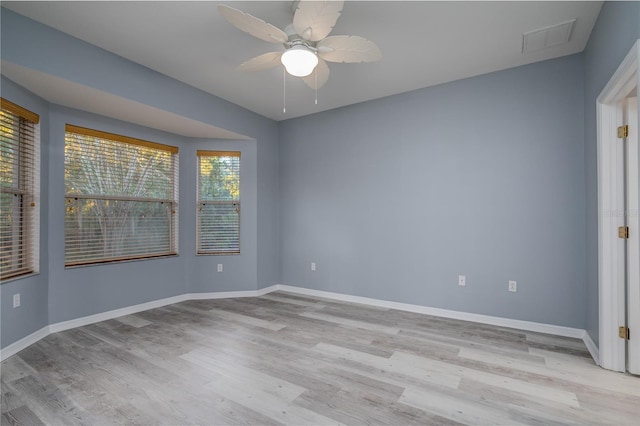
{"x":513,"y":286}
{"x":16,"y":300}
{"x":219,"y":267}
{"x":462,"y":280}
{"x":313,"y":266}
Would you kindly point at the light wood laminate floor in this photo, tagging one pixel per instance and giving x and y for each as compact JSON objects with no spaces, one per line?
{"x":289,"y":359}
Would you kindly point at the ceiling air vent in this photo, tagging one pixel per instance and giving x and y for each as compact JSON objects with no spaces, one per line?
{"x":547,"y":37}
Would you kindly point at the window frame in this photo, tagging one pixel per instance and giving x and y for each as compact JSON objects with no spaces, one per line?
{"x":27,"y":231}
{"x":235,"y":202}
{"x":174,"y":201}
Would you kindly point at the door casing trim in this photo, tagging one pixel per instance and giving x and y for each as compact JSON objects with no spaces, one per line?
{"x":611,"y":211}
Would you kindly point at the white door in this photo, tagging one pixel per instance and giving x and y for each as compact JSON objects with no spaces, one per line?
{"x":633,"y":243}
{"x":618,"y":265}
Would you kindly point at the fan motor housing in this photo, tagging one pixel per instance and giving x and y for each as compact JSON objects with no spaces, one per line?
{"x":296,"y":40}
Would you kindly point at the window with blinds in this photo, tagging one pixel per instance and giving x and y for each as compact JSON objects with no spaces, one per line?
{"x":218,"y":212}
{"x":121,"y":197}
{"x":19,"y":202}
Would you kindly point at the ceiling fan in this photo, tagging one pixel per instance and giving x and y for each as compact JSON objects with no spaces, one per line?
{"x":306,"y":41}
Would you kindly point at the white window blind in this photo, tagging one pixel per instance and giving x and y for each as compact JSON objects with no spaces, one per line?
{"x":218,"y":212}
{"x":19,"y":177}
{"x":121,"y":197}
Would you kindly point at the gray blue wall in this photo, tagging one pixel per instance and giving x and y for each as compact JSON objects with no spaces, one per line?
{"x":44,"y":49}
{"x":59,"y":294}
{"x":82,"y":291}
{"x":394,"y":198}
{"x":493,"y":177}
{"x":615,"y":32}
{"x":34,"y":291}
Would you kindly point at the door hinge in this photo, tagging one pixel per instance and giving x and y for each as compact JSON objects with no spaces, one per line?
{"x":623,"y":332}
{"x":623,"y":232}
{"x":623,"y":131}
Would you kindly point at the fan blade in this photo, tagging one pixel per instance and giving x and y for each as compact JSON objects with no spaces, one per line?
{"x":252,"y":25}
{"x":262,"y":62}
{"x":348,"y":49}
{"x":314,"y":20}
{"x":322,"y":73}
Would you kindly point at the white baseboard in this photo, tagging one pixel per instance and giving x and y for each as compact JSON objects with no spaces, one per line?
{"x":23,"y":343}
{"x":267,"y":290}
{"x":231,"y":294}
{"x":103,"y":316}
{"x":591,"y":346}
{"x":444,"y":313}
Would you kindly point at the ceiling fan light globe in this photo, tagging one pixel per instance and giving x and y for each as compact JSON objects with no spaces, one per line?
{"x":299,"y":61}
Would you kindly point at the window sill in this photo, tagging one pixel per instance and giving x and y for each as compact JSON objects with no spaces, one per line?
{"x":19,"y":277}
{"x":230,"y":253}
{"x":120,"y":261}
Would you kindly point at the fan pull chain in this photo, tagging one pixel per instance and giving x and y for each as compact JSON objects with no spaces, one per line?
{"x":316,"y":73}
{"x":284,"y":91}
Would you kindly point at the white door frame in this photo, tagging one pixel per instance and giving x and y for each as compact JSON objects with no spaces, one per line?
{"x":611,"y":211}
{"x":633,"y":243}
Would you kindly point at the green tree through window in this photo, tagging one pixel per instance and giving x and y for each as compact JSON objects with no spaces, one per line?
{"x":218,"y":218}
{"x":19,"y":178}
{"x":121,"y":197}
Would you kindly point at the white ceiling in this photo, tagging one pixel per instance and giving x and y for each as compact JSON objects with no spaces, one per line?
{"x":423,"y":44}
